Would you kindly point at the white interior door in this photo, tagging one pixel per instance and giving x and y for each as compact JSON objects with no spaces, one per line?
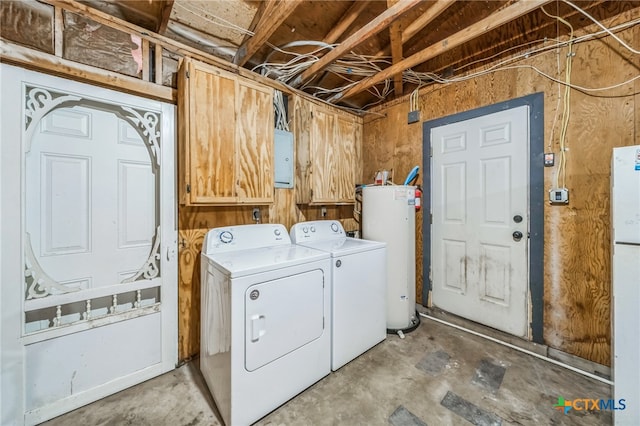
{"x":480,"y":219}
{"x":89,"y":271}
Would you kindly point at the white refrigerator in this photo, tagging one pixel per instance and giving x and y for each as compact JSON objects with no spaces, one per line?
{"x":625,"y":213}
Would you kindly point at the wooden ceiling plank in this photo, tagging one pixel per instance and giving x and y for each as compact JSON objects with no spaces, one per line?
{"x":165,"y":14}
{"x":378,"y":24}
{"x":266,"y":27}
{"x":481,"y":27}
{"x":395,"y":36}
{"x":345,"y":21}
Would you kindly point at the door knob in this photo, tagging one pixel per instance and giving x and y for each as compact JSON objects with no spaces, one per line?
{"x":517,"y":218}
{"x":517,"y":235}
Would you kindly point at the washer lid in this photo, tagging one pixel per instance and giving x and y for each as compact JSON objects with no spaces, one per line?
{"x":344,"y":246}
{"x":239,"y":263}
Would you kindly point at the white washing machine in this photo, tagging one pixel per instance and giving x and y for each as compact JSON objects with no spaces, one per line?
{"x":359,"y":287}
{"x":265,"y":321}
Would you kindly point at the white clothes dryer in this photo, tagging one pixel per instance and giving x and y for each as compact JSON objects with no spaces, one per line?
{"x":265,"y":319}
{"x":359,"y":287}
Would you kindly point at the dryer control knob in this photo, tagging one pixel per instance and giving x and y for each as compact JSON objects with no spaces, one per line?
{"x":305,"y":229}
{"x":226,"y":237}
{"x":313,"y":229}
{"x":334,"y":227}
{"x":338,"y":263}
{"x":277,"y":232}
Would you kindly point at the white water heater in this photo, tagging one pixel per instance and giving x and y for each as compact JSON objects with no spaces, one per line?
{"x":388,"y":215}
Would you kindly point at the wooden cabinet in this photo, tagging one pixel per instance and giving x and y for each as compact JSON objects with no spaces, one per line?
{"x":328,"y":153}
{"x":225,"y":127}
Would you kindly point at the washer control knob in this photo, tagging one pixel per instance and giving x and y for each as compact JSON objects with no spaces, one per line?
{"x":277,"y":232}
{"x":226,"y":237}
{"x":338,"y":263}
{"x":305,"y":229}
{"x":313,"y":229}
{"x":334,"y":227}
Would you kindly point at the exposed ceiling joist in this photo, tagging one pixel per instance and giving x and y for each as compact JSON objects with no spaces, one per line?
{"x":264,"y":9}
{"x":422,"y":21}
{"x":345,"y":21}
{"x":483,"y":26}
{"x":425,"y":19}
{"x":381,"y":22}
{"x":165,"y":14}
{"x":395,"y":36}
{"x":267,"y":25}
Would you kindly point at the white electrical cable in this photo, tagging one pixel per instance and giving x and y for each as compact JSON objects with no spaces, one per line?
{"x":280,"y":111}
{"x":366,"y":66}
{"x":615,"y":37}
{"x":528,"y":352}
{"x":221,"y":22}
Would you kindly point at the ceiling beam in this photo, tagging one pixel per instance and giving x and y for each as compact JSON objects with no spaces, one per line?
{"x":481,"y":27}
{"x":395,"y":36}
{"x":165,"y":14}
{"x":264,"y":8}
{"x":345,"y":21}
{"x":422,"y":21}
{"x":381,"y":22}
{"x":267,"y":25}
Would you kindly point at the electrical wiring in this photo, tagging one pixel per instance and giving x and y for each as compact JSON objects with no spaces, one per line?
{"x":363,"y":66}
{"x":221,"y":22}
{"x":615,"y":37}
{"x":280,"y":111}
{"x":566,"y":111}
{"x":500,"y":65}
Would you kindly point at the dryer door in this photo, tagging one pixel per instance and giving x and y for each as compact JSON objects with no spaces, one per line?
{"x":281,"y":316}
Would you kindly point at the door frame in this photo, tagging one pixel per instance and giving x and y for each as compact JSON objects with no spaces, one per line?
{"x":536,"y":196}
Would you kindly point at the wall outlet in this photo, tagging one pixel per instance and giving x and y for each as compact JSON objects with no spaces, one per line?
{"x":559,"y":196}
{"x":255,"y":213}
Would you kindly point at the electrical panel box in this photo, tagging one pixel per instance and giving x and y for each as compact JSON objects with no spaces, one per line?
{"x":559,"y":196}
{"x":283,"y":162}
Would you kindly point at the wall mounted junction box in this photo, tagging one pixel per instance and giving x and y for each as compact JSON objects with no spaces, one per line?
{"x":559,"y":196}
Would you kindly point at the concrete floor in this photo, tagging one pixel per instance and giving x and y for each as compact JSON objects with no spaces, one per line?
{"x":437,"y":375}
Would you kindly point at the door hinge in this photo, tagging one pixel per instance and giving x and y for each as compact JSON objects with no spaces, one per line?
{"x":188,"y":189}
{"x":311,"y":193}
{"x":188,"y":76}
{"x":311,"y":114}
{"x":431,"y":218}
{"x":431,"y":151}
{"x":323,"y":322}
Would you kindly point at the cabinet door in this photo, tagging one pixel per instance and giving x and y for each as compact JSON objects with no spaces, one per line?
{"x":254,"y":141}
{"x":347,"y":137}
{"x":328,"y":154}
{"x":211,"y":142}
{"x":302,"y":128}
{"x":325,"y":154}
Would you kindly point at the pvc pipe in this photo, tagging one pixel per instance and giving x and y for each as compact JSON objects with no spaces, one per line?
{"x":509,"y":345}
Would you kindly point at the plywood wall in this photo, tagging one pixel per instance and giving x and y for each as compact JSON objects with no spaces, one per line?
{"x":577,"y":279}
